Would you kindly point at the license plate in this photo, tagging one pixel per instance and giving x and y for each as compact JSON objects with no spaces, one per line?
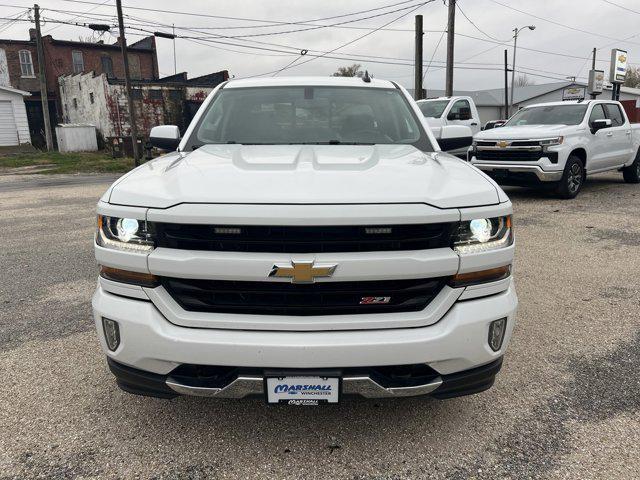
{"x":309,"y":390}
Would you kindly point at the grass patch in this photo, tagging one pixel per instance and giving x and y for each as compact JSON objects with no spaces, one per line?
{"x":56,"y":162}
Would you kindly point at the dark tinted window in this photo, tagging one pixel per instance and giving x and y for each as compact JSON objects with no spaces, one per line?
{"x":310,"y":115}
{"x":460,"y":110}
{"x":596,"y":114}
{"x":570,"y":114}
{"x":155,"y":94}
{"x":614,"y":113}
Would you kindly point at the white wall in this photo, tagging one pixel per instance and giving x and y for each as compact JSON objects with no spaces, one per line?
{"x":489,"y":113}
{"x":19,"y":113}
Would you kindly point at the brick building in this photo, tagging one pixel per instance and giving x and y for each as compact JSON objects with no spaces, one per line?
{"x":19,"y":69}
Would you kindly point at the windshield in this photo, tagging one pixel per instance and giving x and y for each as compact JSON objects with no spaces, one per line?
{"x":549,"y":115}
{"x":433,"y":108}
{"x":309,"y":115}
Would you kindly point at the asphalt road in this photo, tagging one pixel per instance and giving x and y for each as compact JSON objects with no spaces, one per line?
{"x":566,"y":404}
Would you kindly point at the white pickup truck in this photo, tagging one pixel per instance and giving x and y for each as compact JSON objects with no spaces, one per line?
{"x":558,"y":144}
{"x":451,"y":111}
{"x":306,"y":239}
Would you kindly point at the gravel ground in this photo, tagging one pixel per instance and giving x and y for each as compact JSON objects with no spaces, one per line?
{"x":566,"y":404}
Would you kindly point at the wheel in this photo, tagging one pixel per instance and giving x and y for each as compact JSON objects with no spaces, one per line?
{"x":572,"y":178}
{"x":631,"y":173}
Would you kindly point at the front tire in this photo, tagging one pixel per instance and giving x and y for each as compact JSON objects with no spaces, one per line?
{"x":631,"y":174}
{"x":572,"y":178}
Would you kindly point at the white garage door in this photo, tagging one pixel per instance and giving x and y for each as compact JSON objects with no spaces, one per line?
{"x":8,"y":129}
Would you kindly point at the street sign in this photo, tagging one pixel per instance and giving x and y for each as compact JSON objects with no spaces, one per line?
{"x":619,"y":61}
{"x":596,"y":82}
{"x":573,"y":93}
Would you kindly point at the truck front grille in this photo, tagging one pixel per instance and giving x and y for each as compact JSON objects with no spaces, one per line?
{"x":515,"y":155}
{"x":303,"y":239}
{"x":283,"y":298}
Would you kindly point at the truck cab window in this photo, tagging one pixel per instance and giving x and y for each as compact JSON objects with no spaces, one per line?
{"x":596,"y":114}
{"x":614,"y":113}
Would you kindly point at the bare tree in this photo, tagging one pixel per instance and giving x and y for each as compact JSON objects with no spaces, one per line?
{"x":523,"y":80}
{"x":633,"y":77}
{"x":350,"y":71}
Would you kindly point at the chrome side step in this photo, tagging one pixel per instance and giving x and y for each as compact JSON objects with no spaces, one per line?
{"x":355,"y":385}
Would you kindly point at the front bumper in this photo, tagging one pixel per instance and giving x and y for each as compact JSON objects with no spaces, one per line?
{"x":501,"y":171}
{"x":152,"y":345}
{"x":467,"y":382}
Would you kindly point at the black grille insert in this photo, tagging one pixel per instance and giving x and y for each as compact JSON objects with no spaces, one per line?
{"x":506,"y":155}
{"x":283,"y":298}
{"x":303,"y":239}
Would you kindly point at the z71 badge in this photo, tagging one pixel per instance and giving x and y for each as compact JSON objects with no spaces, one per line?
{"x":374,"y":300}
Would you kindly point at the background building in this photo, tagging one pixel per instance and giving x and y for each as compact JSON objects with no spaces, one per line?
{"x":19,"y":70}
{"x":14,"y":128}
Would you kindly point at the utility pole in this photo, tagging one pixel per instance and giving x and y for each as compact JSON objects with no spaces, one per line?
{"x":175,"y":64}
{"x":43,"y":81}
{"x":451,"y":26}
{"x":417,"y":84}
{"x":593,"y":66}
{"x":506,"y":86}
{"x":513,"y":67}
{"x":127,"y":84}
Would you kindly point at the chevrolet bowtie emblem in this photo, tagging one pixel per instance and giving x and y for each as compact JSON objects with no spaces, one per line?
{"x":502,"y":143}
{"x":302,"y":272}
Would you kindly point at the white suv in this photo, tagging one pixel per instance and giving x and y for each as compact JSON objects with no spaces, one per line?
{"x":305,"y":240}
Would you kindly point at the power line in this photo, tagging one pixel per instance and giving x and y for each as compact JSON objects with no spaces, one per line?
{"x":355,"y":39}
{"x":622,"y":7}
{"x":556,"y":23}
{"x":78,"y":16}
{"x":476,"y":26}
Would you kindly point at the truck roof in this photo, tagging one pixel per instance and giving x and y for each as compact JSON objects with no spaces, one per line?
{"x":454,"y":97}
{"x":570,"y":102}
{"x":309,"y":81}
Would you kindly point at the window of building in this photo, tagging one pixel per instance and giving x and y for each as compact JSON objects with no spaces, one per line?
{"x":78,"y":61}
{"x":614,"y":113}
{"x":107,"y":66}
{"x":155,"y":94}
{"x":26,"y":64}
{"x":75,"y":103}
{"x":91,"y":97}
{"x":175,"y":95}
{"x":134,"y":67}
{"x":136,"y":94}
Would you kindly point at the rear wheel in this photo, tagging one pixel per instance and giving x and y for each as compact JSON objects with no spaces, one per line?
{"x":631,"y":173}
{"x":572,"y":178}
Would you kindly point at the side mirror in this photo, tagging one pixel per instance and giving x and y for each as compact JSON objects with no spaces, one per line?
{"x":453,"y":137}
{"x":600,"y":124}
{"x":165,"y":137}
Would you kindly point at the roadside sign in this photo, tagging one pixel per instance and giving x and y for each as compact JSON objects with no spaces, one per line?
{"x":619,"y":61}
{"x":573,"y":93}
{"x":596,"y":82}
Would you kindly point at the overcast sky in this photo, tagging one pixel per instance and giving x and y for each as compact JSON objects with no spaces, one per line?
{"x":592,"y":23}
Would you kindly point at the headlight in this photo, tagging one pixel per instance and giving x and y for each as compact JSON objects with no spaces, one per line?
{"x":124,"y":234}
{"x":483,"y":234}
{"x":548,"y":142}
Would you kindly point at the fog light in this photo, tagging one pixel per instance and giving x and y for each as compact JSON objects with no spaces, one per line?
{"x":111,"y":333}
{"x":496,"y":333}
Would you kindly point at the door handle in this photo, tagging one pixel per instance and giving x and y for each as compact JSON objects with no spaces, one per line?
{"x":610,"y":134}
{"x":474,"y":124}
{"x":629,"y":132}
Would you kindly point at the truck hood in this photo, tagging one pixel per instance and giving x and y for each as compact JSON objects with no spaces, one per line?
{"x":304,"y":174}
{"x":522,"y":132}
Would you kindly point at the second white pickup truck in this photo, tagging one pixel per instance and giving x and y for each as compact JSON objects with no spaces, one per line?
{"x":447,"y":112}
{"x":558,"y":144}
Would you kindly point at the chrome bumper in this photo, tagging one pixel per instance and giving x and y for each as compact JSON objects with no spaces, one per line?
{"x":542,"y":175}
{"x":351,"y":385}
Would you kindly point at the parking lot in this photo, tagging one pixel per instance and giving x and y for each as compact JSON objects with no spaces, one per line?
{"x":566,"y":404}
